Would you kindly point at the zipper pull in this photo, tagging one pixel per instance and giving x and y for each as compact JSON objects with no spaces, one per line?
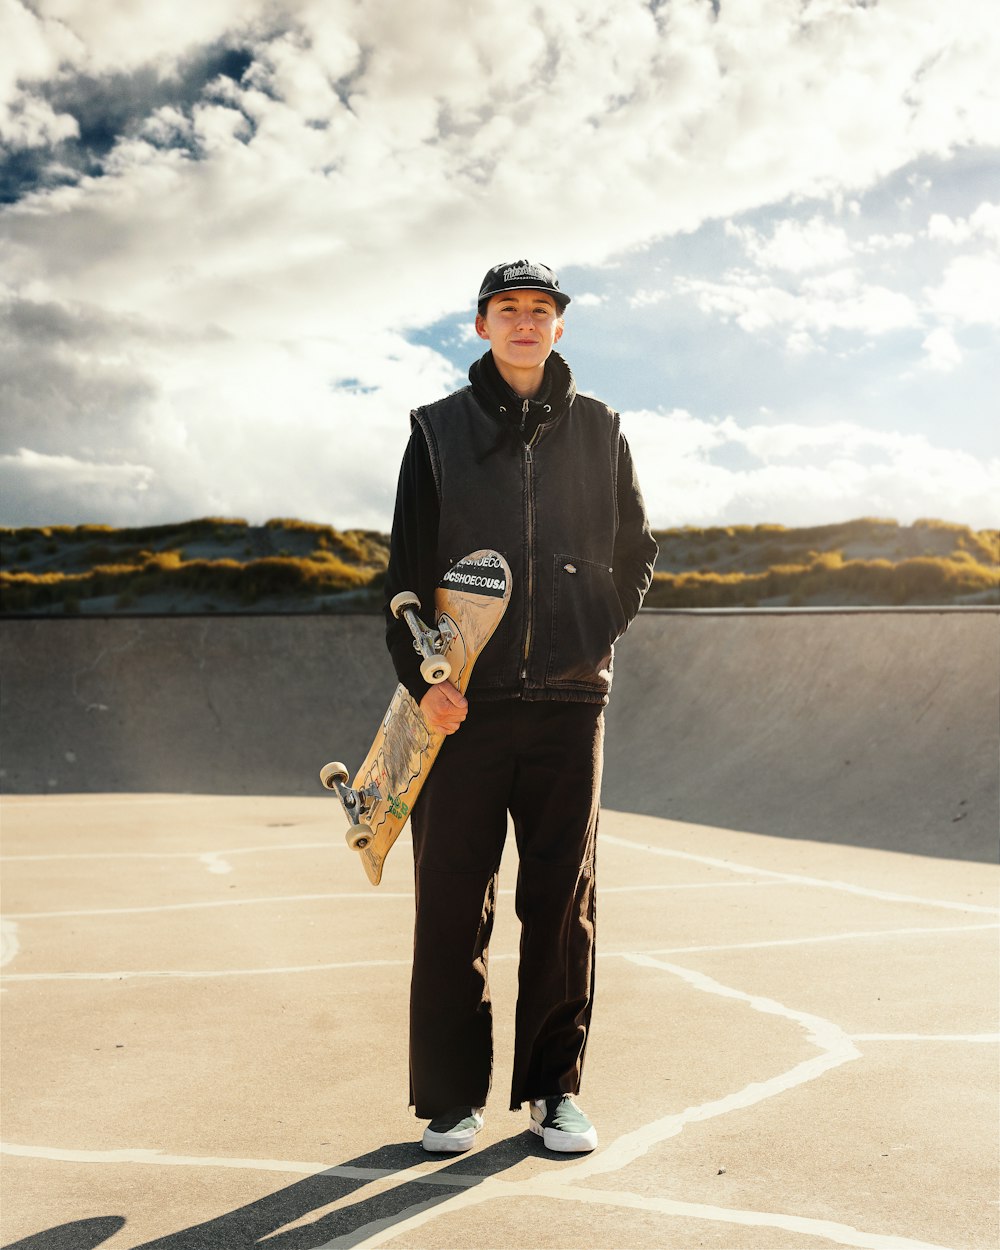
{"x":524,"y":416}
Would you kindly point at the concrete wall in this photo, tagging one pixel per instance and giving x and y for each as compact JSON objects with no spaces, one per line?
{"x":867,"y":728}
{"x":871,"y":728}
{"x":218,"y":705}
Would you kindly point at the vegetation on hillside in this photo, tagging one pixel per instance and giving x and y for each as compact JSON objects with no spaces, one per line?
{"x":220,"y":564}
{"x":284,"y":565}
{"x":867,"y":562}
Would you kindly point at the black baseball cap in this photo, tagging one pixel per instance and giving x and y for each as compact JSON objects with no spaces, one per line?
{"x":520,"y":275}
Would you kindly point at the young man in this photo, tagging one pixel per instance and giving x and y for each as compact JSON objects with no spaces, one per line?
{"x":519,"y":462}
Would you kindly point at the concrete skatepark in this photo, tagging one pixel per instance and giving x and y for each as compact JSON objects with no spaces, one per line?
{"x":204,"y":1002}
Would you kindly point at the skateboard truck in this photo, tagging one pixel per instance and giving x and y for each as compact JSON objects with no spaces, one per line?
{"x":356,"y":803}
{"x":427,"y":642}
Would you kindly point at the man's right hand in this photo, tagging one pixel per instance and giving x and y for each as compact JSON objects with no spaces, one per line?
{"x":444,"y":707}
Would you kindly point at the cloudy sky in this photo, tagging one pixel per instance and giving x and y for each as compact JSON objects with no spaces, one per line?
{"x":241,"y":239}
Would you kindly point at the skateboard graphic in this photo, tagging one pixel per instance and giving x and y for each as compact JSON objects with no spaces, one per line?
{"x":469,"y":603}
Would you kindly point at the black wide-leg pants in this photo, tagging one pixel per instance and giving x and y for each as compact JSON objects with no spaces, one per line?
{"x":542,"y":763}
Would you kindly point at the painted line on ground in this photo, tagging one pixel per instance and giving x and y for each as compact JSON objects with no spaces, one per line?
{"x":854,"y":936}
{"x":830,"y":1230}
{"x":211,"y":973}
{"x":926,"y":1037}
{"x":191,"y":973}
{"x":378,"y":1231}
{"x":830,"y":1039}
{"x":681,"y":885}
{"x":837,"y":1049}
{"x":388,"y":1229}
{"x":885,"y":896}
{"x":161,"y":1158}
{"x":122,"y":800}
{"x":220,"y":856}
{"x":207,"y":904}
{"x":10,"y":943}
{"x":197,"y":855}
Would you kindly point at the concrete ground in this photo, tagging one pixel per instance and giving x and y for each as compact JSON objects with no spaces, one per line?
{"x":795,"y":1043}
{"x":204,"y":1002}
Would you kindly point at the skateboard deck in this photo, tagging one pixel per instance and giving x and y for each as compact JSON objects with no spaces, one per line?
{"x":468,"y":605}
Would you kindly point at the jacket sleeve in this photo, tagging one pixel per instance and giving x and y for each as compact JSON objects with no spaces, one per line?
{"x":635,"y":548}
{"x":412,"y":557}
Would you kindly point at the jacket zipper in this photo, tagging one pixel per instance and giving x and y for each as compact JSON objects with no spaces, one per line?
{"x":529,"y":481}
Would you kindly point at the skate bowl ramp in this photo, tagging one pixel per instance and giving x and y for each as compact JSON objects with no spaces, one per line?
{"x":869,"y":728}
{"x":206,"y":1003}
{"x":864,"y":728}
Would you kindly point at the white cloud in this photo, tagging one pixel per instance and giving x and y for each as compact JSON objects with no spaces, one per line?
{"x":813,"y":303}
{"x":417,"y":137}
{"x":969,"y":292}
{"x":166,"y":425}
{"x":101,"y":35}
{"x":816,"y":475}
{"x":801,"y":343}
{"x":840,"y":301}
{"x":645,"y":298}
{"x":33,"y":49}
{"x":794,"y":245}
{"x":983,"y":223}
{"x":238,"y":262}
{"x":942,"y":228}
{"x":49,"y":487}
{"x":898,"y":241}
{"x":943,"y":354}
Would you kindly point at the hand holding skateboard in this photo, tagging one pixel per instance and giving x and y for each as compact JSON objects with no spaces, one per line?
{"x":444,"y":708}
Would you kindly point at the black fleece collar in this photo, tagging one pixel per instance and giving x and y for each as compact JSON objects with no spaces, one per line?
{"x":557,"y":392}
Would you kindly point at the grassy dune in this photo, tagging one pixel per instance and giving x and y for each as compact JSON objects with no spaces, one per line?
{"x":868,"y":562}
{"x":213,"y":564}
{"x":220,"y":564}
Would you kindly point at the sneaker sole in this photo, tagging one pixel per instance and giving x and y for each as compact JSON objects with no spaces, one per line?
{"x":448,"y":1143}
{"x":565,"y":1143}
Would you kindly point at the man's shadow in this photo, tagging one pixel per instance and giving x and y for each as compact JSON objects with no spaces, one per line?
{"x":247,"y":1227}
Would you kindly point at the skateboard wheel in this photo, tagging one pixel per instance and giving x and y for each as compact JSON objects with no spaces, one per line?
{"x":330,"y":774}
{"x":405,"y":599}
{"x":358,"y":839}
{"x":435,"y":671}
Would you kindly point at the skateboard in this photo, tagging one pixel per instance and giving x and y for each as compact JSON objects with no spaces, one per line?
{"x":469,"y":603}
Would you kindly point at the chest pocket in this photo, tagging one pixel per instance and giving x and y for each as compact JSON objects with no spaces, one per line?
{"x":587,"y":617}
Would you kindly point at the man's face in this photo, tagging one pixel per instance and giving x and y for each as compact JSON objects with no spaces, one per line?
{"x":521,"y":327}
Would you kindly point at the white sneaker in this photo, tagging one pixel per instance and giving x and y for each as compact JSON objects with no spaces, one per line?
{"x":561,"y":1124}
{"x":454,"y":1131}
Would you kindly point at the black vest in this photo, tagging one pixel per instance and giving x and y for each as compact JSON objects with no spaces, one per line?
{"x":551,"y":509}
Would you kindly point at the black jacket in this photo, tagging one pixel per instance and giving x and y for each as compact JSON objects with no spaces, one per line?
{"x":550,"y":483}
